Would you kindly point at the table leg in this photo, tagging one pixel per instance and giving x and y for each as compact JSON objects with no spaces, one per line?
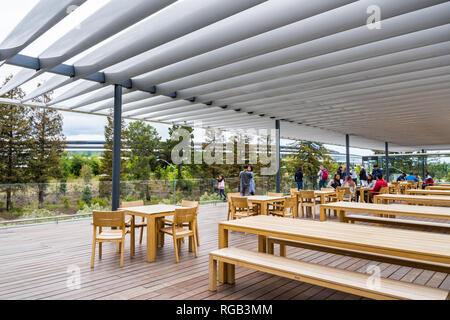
{"x":296,"y":213}
{"x":262,"y":241}
{"x":323,"y":214}
{"x":362,"y":196}
{"x":264,"y":208}
{"x":341,"y":214}
{"x":132,"y":235}
{"x":224,"y":272}
{"x":151,"y":239}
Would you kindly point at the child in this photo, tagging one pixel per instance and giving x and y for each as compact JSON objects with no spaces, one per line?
{"x":221,"y":187}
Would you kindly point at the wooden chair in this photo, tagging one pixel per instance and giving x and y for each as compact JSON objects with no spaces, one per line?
{"x":382,"y":191}
{"x":275,"y":194}
{"x":286,"y":208}
{"x":108,"y":219}
{"x":308,"y":200}
{"x":176,"y":228}
{"x":137,"y":225}
{"x":193,"y":204}
{"x":274,"y":205}
{"x":229,"y":195}
{"x":241,"y":209}
{"x":348,"y":195}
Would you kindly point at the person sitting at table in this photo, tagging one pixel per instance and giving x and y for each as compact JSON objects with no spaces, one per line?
{"x":428,"y":181}
{"x":348,"y":182}
{"x":381,"y":183}
{"x":370,"y":181}
{"x":411,"y":177}
{"x":401,"y":177}
{"x":336,"y":182}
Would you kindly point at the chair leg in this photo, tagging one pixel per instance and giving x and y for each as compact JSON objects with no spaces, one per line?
{"x":122,"y":249}
{"x":142,"y":235}
{"x":93,"y":255}
{"x":196,"y":233}
{"x":194,"y":238}
{"x":175,"y":248}
{"x":99,"y":250}
{"x":212,"y":274}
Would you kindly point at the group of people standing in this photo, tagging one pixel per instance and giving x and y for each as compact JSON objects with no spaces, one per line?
{"x":246,"y":183}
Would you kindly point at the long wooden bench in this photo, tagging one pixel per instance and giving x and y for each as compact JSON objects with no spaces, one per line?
{"x":399,"y":222}
{"x":408,"y":262}
{"x":342,"y":280}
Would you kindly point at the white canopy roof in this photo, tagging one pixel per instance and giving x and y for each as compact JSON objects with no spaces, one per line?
{"x":314,"y":65}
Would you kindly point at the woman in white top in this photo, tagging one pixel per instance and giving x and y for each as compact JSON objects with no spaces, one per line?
{"x":370,"y":181}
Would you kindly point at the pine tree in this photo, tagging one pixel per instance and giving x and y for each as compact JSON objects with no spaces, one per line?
{"x":47,"y":148}
{"x":15,"y":131}
{"x":105,"y":169}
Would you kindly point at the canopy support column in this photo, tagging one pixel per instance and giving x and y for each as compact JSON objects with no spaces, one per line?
{"x":386,"y":155}
{"x":423,"y":165}
{"x":117,"y":138}
{"x":347,"y":154}
{"x":277,"y":147}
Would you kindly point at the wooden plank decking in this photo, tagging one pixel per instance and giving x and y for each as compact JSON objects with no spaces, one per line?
{"x":34,"y":261}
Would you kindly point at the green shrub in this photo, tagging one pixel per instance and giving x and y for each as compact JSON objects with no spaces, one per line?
{"x":65,"y":201}
{"x":2,"y":204}
{"x":86,"y":195}
{"x":130,"y":198}
{"x":100,"y":202}
{"x":209,"y":196}
{"x":81,"y":204}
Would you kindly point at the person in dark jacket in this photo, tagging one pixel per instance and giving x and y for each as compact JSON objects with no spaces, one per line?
{"x":363,"y":176}
{"x":299,"y":178}
{"x":244,"y":178}
{"x":376,"y":170}
{"x":402,"y":177}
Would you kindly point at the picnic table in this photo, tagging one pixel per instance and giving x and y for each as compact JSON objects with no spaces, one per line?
{"x":264,"y":201}
{"x":152,"y":213}
{"x":413,"y":199}
{"x":386,"y":242}
{"x":429,"y":192}
{"x":362,"y":193}
{"x":441,"y":187}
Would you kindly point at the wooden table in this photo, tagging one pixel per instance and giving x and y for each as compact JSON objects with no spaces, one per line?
{"x":152,"y":213}
{"x":413,"y":199}
{"x":429,"y":192}
{"x":263,"y":201}
{"x":324,"y":194}
{"x":406,"y":244}
{"x":438,"y":188}
{"x":362,"y":193}
{"x":393,"y":209}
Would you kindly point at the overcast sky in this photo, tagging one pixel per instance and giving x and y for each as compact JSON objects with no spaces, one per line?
{"x":76,"y":126}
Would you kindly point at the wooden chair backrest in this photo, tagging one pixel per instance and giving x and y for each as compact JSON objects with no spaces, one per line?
{"x":384,"y":190}
{"x":290,"y":202}
{"x":340,"y":194}
{"x":108,"y":219}
{"x":293,"y":191}
{"x":190,"y":204}
{"x":128,"y":204}
{"x":306,"y":195}
{"x":183,"y":215}
{"x":234,"y":194}
{"x":275,"y":194}
{"x":239,"y":202}
{"x":346,"y":190}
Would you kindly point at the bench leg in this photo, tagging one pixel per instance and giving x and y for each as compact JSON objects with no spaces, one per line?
{"x":270,"y":246}
{"x":262,"y":244}
{"x":212,"y":274}
{"x":282,"y":250}
{"x":230,"y":273}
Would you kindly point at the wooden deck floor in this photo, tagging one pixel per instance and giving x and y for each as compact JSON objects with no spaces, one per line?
{"x":34,"y":264}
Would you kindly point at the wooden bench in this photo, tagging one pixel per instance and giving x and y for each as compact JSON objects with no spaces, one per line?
{"x":333,"y":278}
{"x":408,"y":262}
{"x":399,"y":222}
